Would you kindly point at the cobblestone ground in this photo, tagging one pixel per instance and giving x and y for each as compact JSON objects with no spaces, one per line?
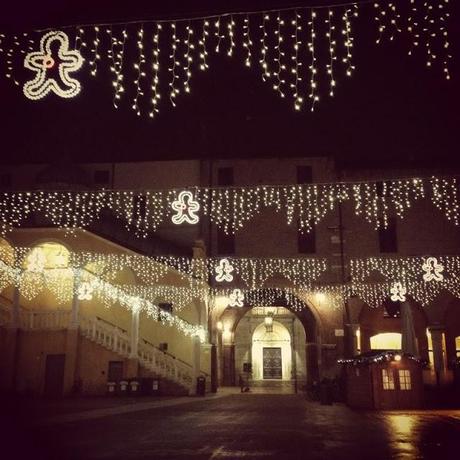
{"x":236,"y":426}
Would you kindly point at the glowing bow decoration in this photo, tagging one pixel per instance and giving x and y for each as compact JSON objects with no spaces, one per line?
{"x":236,"y":298}
{"x":186,"y":207}
{"x":398,"y":292}
{"x":224,"y":271}
{"x":53,"y":70}
{"x":433,"y":270}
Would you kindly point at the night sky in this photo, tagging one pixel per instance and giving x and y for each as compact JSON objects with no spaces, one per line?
{"x":392,"y":112}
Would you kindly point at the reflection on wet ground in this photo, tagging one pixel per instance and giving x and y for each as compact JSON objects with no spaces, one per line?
{"x":236,"y":426}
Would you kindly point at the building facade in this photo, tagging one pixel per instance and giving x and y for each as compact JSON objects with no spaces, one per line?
{"x":277,"y":338}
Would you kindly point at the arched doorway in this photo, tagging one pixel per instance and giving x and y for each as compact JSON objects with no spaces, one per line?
{"x":271,"y":352}
{"x":270,"y":347}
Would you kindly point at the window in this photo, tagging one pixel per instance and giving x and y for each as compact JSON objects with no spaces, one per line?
{"x":404,"y":379}
{"x":388,"y":239}
{"x":387,"y":379}
{"x":225,"y":242}
{"x":306,"y":242}
{"x":225,"y":176}
{"x":115,"y":371}
{"x":457,"y":346}
{"x":5,"y":181}
{"x":101,"y":177}
{"x":304,"y":175}
{"x":386,"y":341}
{"x":430,"y":348}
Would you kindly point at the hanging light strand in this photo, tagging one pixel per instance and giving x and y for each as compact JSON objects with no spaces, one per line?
{"x":173,"y":90}
{"x":297,"y":44}
{"x":202,"y":44}
{"x":247,"y":42}
{"x":279,"y":55}
{"x":95,"y":56}
{"x":117,"y":66}
{"x":264,"y":48}
{"x":313,"y":69}
{"x":155,"y":93}
{"x":332,"y":45}
{"x":231,"y":35}
{"x":140,"y":73}
{"x":188,"y":59}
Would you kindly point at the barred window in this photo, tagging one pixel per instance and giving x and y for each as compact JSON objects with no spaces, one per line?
{"x":404,"y":379}
{"x":387,"y":378}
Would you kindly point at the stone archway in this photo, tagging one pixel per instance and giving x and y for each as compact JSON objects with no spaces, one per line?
{"x":234,"y":347}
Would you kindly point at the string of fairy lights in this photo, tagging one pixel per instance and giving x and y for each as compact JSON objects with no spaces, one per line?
{"x":231,"y":208}
{"x":244,"y":282}
{"x":298,"y":50}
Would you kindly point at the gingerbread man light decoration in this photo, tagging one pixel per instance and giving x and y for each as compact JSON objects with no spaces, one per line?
{"x":433,"y":270}
{"x":236,"y":298}
{"x":185,"y":207}
{"x":398,"y":292}
{"x":224,"y":271}
{"x":53,"y":65}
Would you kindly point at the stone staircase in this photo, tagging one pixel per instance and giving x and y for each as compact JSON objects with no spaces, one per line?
{"x":175,"y":375}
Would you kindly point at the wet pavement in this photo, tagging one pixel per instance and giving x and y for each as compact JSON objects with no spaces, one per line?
{"x":238,"y":426}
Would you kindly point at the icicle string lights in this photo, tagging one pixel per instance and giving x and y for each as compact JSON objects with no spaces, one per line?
{"x":231,"y":208}
{"x":422,"y":23}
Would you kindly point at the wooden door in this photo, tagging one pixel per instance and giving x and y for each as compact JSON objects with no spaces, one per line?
{"x":272,"y":363}
{"x":54,"y":376}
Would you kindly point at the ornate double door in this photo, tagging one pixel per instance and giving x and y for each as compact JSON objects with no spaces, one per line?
{"x":272,"y":363}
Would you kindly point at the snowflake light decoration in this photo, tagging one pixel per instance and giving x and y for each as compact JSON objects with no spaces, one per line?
{"x":186,"y":207}
{"x":398,"y":292}
{"x":85,"y":291}
{"x":433,"y":270}
{"x":53,"y":65}
{"x":224,"y":271}
{"x":236,"y":298}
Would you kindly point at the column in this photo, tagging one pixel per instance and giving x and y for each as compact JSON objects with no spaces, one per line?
{"x":409,"y":342}
{"x":133,"y":362}
{"x":196,"y":362}
{"x":8,"y":353}
{"x":293,"y":355}
{"x":71,"y":342}
{"x":75,"y":302}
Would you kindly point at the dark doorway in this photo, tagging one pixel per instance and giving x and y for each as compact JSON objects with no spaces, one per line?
{"x":54,"y":376}
{"x":115,"y":371}
{"x":272,"y":363}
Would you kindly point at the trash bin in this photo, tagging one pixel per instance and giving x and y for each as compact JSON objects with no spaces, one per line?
{"x":123,"y":387}
{"x":111,"y":386}
{"x":134,"y":387}
{"x":155,"y":387}
{"x":200,"y":386}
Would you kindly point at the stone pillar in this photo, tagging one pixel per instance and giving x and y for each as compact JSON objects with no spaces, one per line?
{"x":214,"y":370}
{"x":438,"y":353}
{"x":71,"y":341}
{"x":75,"y":302}
{"x":311,"y":355}
{"x":196,"y":362}
{"x":133,"y":361}
{"x":8,"y":353}
{"x":409,"y":341}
